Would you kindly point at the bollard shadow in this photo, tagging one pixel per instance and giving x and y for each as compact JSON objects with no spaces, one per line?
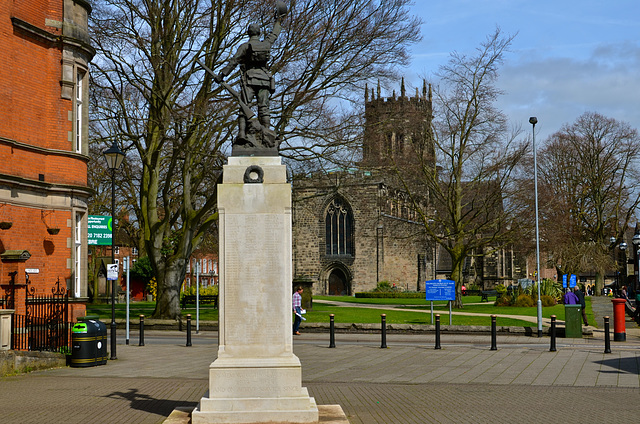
{"x":620,"y":365}
{"x":146,"y":403}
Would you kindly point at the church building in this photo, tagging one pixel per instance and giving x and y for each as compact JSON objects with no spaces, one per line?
{"x":354,"y":228}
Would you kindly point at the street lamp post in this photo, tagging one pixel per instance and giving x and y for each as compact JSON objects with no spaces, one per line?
{"x":636,"y":242}
{"x":533,"y":121}
{"x":623,"y":247}
{"x":114,"y":157}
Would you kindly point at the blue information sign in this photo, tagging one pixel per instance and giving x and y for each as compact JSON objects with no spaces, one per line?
{"x":440,"y":289}
{"x":572,"y":281}
{"x":564,"y":281}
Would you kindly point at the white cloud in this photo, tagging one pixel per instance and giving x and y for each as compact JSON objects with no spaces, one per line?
{"x":559,"y":89}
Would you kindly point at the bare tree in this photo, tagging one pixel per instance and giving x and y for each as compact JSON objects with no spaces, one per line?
{"x":589,"y":176}
{"x":176,"y":124}
{"x":462,"y":195}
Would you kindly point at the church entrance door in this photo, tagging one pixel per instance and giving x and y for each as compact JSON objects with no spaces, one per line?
{"x":338,"y":284}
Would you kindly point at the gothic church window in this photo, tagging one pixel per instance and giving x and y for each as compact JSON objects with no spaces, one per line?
{"x":339,"y":228}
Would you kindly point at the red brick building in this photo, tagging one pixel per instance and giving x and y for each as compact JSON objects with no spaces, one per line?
{"x":43,"y":146}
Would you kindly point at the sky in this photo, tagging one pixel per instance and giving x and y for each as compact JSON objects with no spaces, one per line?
{"x":568,"y":57}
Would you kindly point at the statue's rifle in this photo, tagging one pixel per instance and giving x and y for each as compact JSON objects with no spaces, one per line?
{"x":245,"y":108}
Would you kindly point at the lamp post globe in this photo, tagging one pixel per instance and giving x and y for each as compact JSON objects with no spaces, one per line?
{"x":114,"y":157}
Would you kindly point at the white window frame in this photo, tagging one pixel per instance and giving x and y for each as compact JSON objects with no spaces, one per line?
{"x":78,"y":255}
{"x":79,"y":110}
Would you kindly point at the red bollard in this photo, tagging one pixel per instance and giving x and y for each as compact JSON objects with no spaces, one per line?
{"x":619,"y":330}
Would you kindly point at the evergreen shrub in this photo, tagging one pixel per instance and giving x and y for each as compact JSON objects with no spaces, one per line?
{"x":524,"y":300}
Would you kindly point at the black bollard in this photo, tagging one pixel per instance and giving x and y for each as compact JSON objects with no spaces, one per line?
{"x":188,"y":330}
{"x":607,"y":336}
{"x":437,"y":332}
{"x":384,"y":331}
{"x":141,"y":331}
{"x":332,"y":331}
{"x":553,"y":334}
{"x":493,"y":333}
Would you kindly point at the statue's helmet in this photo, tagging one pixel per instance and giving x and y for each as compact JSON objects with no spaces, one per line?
{"x":253,"y":30}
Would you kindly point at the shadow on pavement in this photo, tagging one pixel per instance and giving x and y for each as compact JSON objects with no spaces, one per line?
{"x":626,"y":365}
{"x":146,"y":403}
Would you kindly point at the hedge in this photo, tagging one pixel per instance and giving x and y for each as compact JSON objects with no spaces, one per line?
{"x":389,"y":295}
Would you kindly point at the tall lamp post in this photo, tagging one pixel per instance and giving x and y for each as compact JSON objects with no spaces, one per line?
{"x":622,"y":247}
{"x":114,"y":157}
{"x":636,"y":242}
{"x":533,"y":121}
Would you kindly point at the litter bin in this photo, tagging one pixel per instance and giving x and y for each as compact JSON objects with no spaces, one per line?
{"x":573,"y":321}
{"x":101,"y":342}
{"x":84,"y":349}
{"x":89,"y":342}
{"x":101,"y":337}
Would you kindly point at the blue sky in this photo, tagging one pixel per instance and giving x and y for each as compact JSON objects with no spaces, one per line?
{"x":568,"y":56}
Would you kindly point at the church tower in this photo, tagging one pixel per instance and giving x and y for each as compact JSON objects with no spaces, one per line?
{"x":398,"y":129}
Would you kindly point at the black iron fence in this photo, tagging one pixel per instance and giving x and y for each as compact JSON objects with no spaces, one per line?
{"x":40,"y":334}
{"x":46,"y":325}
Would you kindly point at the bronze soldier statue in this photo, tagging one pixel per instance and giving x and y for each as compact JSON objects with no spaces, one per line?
{"x":255,"y":135}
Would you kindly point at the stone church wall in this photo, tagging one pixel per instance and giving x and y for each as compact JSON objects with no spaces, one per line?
{"x":386,"y":248}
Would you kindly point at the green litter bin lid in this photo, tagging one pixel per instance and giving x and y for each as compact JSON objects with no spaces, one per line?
{"x":80,"y":327}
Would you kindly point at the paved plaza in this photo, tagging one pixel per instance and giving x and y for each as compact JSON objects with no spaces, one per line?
{"x":409,"y":382}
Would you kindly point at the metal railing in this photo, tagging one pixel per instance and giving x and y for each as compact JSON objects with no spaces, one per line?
{"x":40,"y":334}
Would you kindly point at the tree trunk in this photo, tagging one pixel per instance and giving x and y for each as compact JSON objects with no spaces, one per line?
{"x":168,"y":294}
{"x":599,"y":282}
{"x":456,"y":275}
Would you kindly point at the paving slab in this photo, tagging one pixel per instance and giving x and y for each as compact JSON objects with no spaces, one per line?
{"x":409,"y":382}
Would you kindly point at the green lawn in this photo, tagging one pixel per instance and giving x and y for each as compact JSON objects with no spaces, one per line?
{"x":321,"y":311}
{"x":470,"y":303}
{"x":207,"y":312}
{"x":390,"y":301}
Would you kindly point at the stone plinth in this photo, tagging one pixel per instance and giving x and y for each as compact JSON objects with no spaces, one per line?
{"x":256,"y":377}
{"x":5,"y":328}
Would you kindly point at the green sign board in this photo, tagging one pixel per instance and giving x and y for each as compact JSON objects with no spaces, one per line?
{"x":100,"y":230}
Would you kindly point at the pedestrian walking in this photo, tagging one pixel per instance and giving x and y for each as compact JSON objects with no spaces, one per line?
{"x":570,"y":298}
{"x":297,"y":310}
{"x":583,"y":303}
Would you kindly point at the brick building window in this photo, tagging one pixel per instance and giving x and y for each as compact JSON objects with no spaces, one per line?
{"x":79,"y":112}
{"x":339,"y":228}
{"x":78,"y":255}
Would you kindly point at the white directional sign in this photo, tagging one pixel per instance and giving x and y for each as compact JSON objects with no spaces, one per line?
{"x":112,"y":271}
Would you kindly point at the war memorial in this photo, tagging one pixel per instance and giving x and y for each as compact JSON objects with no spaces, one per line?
{"x":256,"y":377}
